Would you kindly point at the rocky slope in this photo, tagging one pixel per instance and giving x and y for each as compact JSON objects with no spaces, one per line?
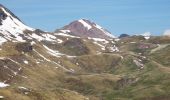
{"x":67,"y":65}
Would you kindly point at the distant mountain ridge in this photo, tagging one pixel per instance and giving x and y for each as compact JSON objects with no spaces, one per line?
{"x":11,"y":24}
{"x":86,"y":28}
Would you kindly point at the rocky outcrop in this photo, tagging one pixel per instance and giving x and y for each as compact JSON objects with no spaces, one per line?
{"x":75,"y":46}
{"x":24,"y":47}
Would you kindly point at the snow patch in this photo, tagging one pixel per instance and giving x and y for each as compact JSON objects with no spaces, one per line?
{"x":11,"y":26}
{"x":116,"y":39}
{"x":67,"y":35}
{"x":1,"y":97}
{"x":25,"y":61}
{"x":59,"y":41}
{"x":41,"y":56}
{"x":85,"y":24}
{"x":72,"y":70}
{"x":49,"y":37}
{"x":65,"y":31}
{"x":35,"y":36}
{"x":20,"y":87}
{"x":132,"y":42}
{"x":13,"y":22}
{"x":53,"y":52}
{"x":138,"y":63}
{"x":99,"y":40}
{"x":37,"y":62}
{"x":32,"y":43}
{"x":146,"y":35}
{"x":98,"y":26}
{"x":77,"y":64}
{"x":114,"y":49}
{"x":102,"y":47}
{"x":2,"y":85}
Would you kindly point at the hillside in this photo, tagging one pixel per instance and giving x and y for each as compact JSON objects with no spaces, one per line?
{"x":60,"y":65}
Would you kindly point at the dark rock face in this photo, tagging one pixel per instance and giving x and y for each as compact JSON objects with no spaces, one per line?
{"x":7,"y":69}
{"x":24,"y":47}
{"x":123,"y":35}
{"x":76,"y":46}
{"x":39,"y":31}
{"x":124,"y":82}
{"x":2,"y":16}
{"x":85,"y":28}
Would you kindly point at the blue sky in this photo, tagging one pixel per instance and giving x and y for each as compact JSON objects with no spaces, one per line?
{"x":117,"y":16}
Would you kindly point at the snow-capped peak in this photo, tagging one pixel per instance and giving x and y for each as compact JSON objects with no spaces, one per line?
{"x":82,"y":21}
{"x":11,"y":26}
{"x":11,"y":23}
{"x":86,"y":28}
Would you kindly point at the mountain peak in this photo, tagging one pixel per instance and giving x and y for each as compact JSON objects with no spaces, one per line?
{"x":10,"y":22}
{"x":85,"y":23}
{"x":86,"y":28}
{"x":6,"y":12}
{"x":11,"y":27}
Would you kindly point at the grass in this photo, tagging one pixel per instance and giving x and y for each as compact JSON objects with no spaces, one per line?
{"x":105,"y":76}
{"x":162,"y":56}
{"x":150,"y":84}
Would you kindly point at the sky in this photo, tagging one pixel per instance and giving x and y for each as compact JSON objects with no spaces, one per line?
{"x":117,"y":16}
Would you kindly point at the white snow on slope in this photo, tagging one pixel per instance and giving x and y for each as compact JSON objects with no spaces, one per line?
{"x":59,"y":41}
{"x":52,"y":61}
{"x":56,"y":53}
{"x":53,"y":52}
{"x":8,"y":27}
{"x":146,"y":35}
{"x":24,"y":88}
{"x":49,"y":37}
{"x":113,"y":49}
{"x":66,"y":35}
{"x":41,"y":56}
{"x":99,"y":40}
{"x":14,"y":23}
{"x":107,"y":33}
{"x":25,"y":61}
{"x":138,"y":63}
{"x":32,"y":43}
{"x":1,"y":97}
{"x":46,"y":37}
{"x":12,"y":26}
{"x":65,"y":31}
{"x":2,"y":85}
{"x":85,"y":24}
{"x":35,"y":36}
{"x":102,"y":46}
{"x":98,"y":26}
